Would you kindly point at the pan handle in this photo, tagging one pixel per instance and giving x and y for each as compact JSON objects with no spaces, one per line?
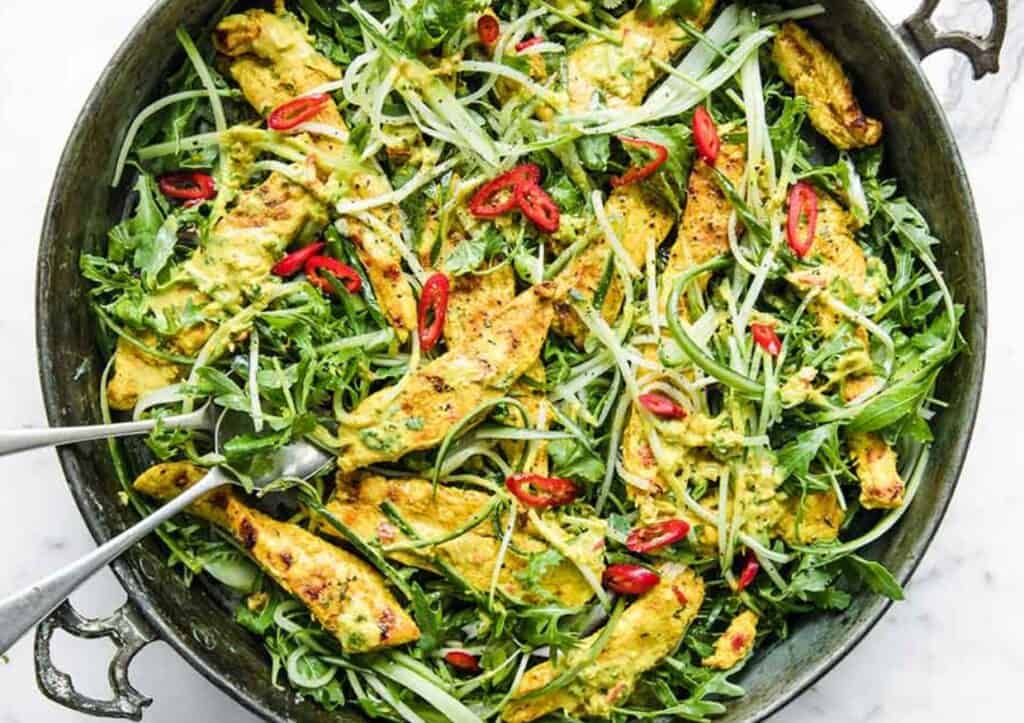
{"x":129,"y":632}
{"x":983,"y":52}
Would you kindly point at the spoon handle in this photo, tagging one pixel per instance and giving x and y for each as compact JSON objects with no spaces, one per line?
{"x":22,"y":611}
{"x":20,"y":440}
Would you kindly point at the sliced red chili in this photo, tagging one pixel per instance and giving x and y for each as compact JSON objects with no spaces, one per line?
{"x":639,"y":173}
{"x":661,"y":406}
{"x":345,"y":273}
{"x":528,"y":43}
{"x":535,"y":490}
{"x":766,"y":338}
{"x":749,"y":573}
{"x":705,"y":135}
{"x":432,"y":311}
{"x":488,"y":29}
{"x":295,"y":262}
{"x":462,"y":660}
{"x":498,"y":196}
{"x":538,"y":206}
{"x":627,"y":579}
{"x":290,"y":114}
{"x":188,"y":186}
{"x":656,"y":536}
{"x":803,"y":203}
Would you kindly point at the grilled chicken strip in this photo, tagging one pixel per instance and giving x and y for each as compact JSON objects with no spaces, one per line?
{"x":649,"y":630}
{"x":815,"y":73}
{"x":344,"y":593}
{"x":274,"y":61}
{"x":473,"y":555}
{"x":419,"y":412}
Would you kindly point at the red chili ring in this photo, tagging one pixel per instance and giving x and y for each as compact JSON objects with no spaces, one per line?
{"x":528,"y":43}
{"x":766,"y":338}
{"x":640,"y":173}
{"x":803,"y":201}
{"x":658,"y":535}
{"x":749,"y":574}
{"x":433,"y":299}
{"x":345,"y":273}
{"x":294,"y":112}
{"x":488,"y":28}
{"x":462,"y":660}
{"x":705,"y":135}
{"x":550,"y":491}
{"x":538,"y":206}
{"x":661,"y":406}
{"x":627,"y":579}
{"x":485,"y":202}
{"x":188,"y":186}
{"x":295,"y":262}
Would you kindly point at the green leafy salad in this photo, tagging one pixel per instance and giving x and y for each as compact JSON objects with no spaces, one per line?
{"x":622,"y":344}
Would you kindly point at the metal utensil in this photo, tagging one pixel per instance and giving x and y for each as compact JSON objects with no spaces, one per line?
{"x":21,"y":440}
{"x":22,"y":611}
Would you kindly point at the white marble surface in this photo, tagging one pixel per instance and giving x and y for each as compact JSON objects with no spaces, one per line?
{"x":953,"y":651}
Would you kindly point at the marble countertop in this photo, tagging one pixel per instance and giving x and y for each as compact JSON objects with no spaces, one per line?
{"x":954,"y":650}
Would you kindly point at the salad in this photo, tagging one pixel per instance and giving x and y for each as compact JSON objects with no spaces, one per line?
{"x":623,"y":345}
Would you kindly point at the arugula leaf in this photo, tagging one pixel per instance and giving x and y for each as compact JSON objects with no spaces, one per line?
{"x":796,"y":457}
{"x":429,"y":617}
{"x":571,"y":459}
{"x":153,"y":252}
{"x":539,"y":565}
{"x":143,"y":224}
{"x":893,"y":404}
{"x":672,"y":178}
{"x":428,"y":23}
{"x":566,"y":194}
{"x":874,"y":575}
{"x":471,"y":253}
{"x":594,"y":152}
{"x":257,"y":621}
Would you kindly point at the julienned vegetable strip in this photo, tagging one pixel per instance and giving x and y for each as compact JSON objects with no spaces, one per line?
{"x":738,"y":382}
{"x":485,"y":512}
{"x":220,"y":121}
{"x":146,"y":114}
{"x":440,"y":699}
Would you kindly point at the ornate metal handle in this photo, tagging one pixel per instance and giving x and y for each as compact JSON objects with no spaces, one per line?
{"x":20,"y":612}
{"x":983,"y":52}
{"x":129,"y":632}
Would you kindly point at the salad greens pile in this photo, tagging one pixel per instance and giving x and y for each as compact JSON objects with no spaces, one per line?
{"x":440,"y":113}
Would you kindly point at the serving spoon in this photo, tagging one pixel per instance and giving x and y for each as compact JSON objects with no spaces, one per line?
{"x":21,"y":440}
{"x":22,"y":611}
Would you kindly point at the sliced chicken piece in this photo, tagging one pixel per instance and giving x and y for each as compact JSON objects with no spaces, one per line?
{"x":638,"y":218}
{"x":881,"y":486}
{"x":704,"y":229}
{"x":418,"y":414}
{"x":735,"y":643}
{"x":601,"y":73}
{"x":435,"y":513}
{"x":815,"y":73}
{"x":817,"y":518}
{"x":273,"y":61}
{"x":345,"y":594}
{"x":648,"y":631}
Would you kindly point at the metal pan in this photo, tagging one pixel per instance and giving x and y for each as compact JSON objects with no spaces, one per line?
{"x":920,"y":151}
